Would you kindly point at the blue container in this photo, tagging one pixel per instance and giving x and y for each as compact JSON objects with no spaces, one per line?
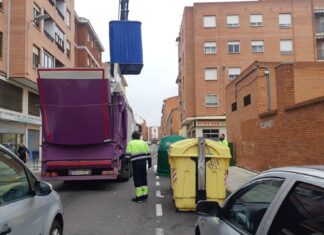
{"x":125,"y":39}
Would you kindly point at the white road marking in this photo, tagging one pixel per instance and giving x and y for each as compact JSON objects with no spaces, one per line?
{"x":155,"y":167}
{"x":158,"y":194}
{"x":159,"y":211}
{"x":157,"y":177}
{"x":159,"y":231}
{"x":157,"y":183}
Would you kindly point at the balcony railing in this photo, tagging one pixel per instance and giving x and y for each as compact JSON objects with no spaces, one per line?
{"x":320,"y":54}
{"x":320,"y":28}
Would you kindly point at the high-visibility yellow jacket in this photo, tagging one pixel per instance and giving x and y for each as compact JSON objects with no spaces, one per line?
{"x":138,"y":150}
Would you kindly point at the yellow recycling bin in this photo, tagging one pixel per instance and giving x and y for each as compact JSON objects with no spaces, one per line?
{"x":198,"y":172}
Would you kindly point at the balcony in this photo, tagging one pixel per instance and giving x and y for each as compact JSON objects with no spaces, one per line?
{"x":320,"y":54}
{"x":320,"y":29}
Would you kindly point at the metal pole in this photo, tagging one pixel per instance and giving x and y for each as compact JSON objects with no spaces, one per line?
{"x":201,"y":168}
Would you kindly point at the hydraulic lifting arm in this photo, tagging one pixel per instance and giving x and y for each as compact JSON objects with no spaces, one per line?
{"x":123,"y":9}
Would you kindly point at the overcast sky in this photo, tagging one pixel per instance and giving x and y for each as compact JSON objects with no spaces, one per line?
{"x":160,"y":26}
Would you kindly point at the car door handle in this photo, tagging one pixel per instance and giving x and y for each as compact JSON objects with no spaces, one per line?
{"x":6,"y":230}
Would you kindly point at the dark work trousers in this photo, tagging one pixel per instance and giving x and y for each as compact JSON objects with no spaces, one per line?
{"x":139,"y":173}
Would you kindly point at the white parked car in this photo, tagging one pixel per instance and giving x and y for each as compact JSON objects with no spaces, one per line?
{"x":27,"y":205}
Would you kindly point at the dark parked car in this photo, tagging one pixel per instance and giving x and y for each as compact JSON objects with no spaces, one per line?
{"x":281,"y":201}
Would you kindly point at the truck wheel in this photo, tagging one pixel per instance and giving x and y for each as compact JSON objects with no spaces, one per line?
{"x":125,"y":172}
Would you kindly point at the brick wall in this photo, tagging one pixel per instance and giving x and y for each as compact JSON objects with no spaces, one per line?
{"x":168,"y":105}
{"x":290,"y":133}
{"x":83,"y":33}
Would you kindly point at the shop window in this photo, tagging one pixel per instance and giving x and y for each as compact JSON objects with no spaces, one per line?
{"x":33,"y":104}
{"x":11,"y":96}
{"x":211,"y":134}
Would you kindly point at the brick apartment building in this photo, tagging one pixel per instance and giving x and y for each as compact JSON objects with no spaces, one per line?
{"x":275,"y":115}
{"x":219,"y":40}
{"x":33,"y":34}
{"x":88,"y":48}
{"x":170,"y":119}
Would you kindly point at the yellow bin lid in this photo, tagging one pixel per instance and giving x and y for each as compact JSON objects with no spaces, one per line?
{"x":189,"y":148}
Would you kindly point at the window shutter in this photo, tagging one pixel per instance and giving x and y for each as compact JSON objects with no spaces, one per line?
{"x":211,"y":74}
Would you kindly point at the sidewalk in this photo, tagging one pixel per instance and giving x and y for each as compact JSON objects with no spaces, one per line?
{"x":34,"y":169}
{"x":237,"y":177}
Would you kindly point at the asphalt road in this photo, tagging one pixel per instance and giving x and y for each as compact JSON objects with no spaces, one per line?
{"x":106,"y":208}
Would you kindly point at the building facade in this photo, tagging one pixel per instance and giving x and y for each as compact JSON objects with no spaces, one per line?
{"x":88,"y":48}
{"x":170,"y":118}
{"x":275,"y":115}
{"x":219,"y":40}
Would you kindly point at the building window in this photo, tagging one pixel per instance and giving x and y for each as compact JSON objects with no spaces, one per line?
{"x":1,"y":42}
{"x":233,"y":73}
{"x":210,"y":133}
{"x":256,"y":20}
{"x":257,"y":46}
{"x":247,"y":100}
{"x":211,"y":100}
{"x":211,"y":74}
{"x":68,"y":18}
{"x":233,"y":47}
{"x":88,"y":37}
{"x":33,"y":104}
{"x":210,"y":47}
{"x":234,"y":106}
{"x":209,"y":21}
{"x":48,"y":60}
{"x":68,"y":49}
{"x":1,"y":4}
{"x":284,"y":20}
{"x":36,"y":56}
{"x":233,"y":21}
{"x":11,"y":97}
{"x":286,"y":46}
{"x":59,"y":39}
{"x":36,"y":13}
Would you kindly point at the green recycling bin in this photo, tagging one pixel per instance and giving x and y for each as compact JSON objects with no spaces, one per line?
{"x":163,"y":167}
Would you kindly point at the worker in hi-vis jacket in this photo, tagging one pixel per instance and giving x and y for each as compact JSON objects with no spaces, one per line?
{"x":139,"y":154}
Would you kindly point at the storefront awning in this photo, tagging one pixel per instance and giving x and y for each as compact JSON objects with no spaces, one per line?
{"x":318,"y":11}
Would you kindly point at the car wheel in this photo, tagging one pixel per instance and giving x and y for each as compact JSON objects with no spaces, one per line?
{"x":56,"y":228}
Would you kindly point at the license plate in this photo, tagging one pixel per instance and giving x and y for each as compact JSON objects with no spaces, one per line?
{"x":80,"y":172}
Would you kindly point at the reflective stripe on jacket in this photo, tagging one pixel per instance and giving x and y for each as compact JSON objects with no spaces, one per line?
{"x":138,"y":150}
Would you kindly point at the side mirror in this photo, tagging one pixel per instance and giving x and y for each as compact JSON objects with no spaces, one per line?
{"x":42,"y":188}
{"x":208,"y":208}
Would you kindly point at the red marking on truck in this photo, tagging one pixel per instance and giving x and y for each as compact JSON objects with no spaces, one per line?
{"x":82,"y":163}
{"x":105,"y":102}
{"x":42,"y":98}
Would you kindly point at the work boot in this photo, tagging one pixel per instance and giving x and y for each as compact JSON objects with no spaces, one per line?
{"x":138,"y":199}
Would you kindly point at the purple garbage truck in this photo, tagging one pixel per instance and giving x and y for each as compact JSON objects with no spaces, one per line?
{"x":85,"y":125}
